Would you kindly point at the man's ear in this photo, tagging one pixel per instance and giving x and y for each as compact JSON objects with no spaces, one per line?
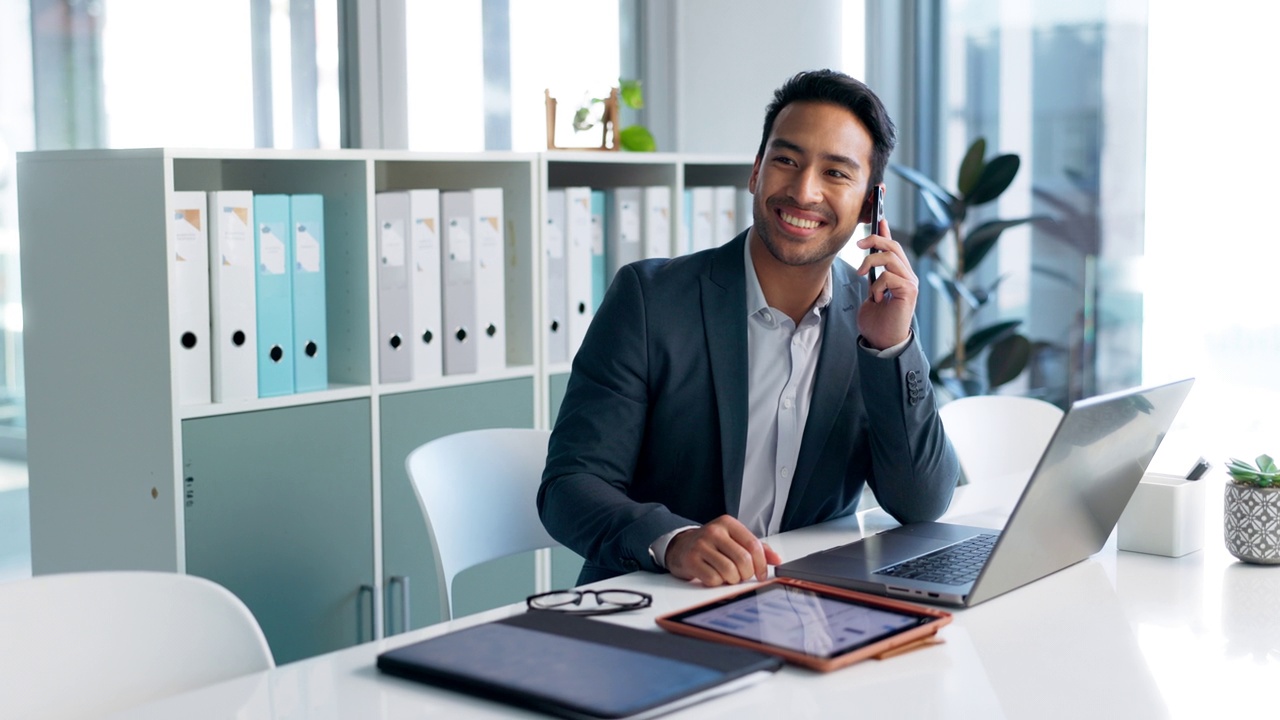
{"x":867,"y":213}
{"x":755,"y":174}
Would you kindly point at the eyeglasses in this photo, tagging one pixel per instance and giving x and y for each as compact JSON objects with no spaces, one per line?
{"x":606,"y":601}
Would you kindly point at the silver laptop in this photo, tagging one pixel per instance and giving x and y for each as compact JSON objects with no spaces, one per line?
{"x":1069,"y":507}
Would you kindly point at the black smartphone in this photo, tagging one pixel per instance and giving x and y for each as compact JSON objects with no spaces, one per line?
{"x":877,"y":214}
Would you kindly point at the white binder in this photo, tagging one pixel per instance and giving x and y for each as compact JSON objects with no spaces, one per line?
{"x":458,"y":272}
{"x":395,"y":346}
{"x":189,"y":254}
{"x":657,"y":221}
{"x":556,"y":290}
{"x":702,"y":219}
{"x":233,"y":305}
{"x":424,"y":284}
{"x":624,"y":223}
{"x":581,"y":228}
{"x":725,"y":226}
{"x":490,"y":278}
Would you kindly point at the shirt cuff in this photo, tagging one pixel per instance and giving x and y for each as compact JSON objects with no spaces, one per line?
{"x":890,"y":352}
{"x":658,"y":548}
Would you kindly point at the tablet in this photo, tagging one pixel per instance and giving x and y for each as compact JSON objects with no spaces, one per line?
{"x":808,"y":624}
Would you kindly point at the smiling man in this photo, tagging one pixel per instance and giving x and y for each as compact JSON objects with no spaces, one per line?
{"x":757,"y":387}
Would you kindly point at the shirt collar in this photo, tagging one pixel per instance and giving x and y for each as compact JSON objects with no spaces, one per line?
{"x":755,"y":294}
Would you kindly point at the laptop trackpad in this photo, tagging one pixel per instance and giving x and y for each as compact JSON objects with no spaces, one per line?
{"x":887,"y":548}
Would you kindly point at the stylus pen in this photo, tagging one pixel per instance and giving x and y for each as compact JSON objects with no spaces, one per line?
{"x":1198,"y":470}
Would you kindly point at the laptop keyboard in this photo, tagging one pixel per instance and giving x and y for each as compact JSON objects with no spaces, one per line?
{"x":952,"y":565}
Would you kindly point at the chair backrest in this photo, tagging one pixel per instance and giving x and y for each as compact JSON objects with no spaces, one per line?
{"x":999,"y":437}
{"x":89,"y":643}
{"x":478,"y":492}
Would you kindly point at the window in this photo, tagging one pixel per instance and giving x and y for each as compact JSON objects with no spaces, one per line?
{"x":1210,"y":268}
{"x":1063,"y":86}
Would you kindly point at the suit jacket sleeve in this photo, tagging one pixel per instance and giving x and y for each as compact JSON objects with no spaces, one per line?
{"x":597,"y":440}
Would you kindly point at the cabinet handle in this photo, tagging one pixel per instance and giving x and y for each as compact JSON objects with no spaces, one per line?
{"x":373,"y":624}
{"x":403,"y":582}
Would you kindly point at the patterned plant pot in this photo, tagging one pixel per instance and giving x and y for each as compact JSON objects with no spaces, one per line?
{"x":1251,"y":523}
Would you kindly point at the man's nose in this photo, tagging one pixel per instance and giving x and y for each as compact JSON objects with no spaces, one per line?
{"x":806,"y":187}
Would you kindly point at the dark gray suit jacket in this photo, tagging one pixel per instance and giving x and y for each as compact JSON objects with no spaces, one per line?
{"x":652,"y":431}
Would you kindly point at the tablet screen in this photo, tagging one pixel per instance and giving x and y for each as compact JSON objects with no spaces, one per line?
{"x":803,"y":621}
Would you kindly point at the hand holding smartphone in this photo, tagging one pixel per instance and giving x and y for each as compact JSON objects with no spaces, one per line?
{"x":877,"y":214}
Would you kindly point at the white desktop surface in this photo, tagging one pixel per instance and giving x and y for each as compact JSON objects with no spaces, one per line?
{"x":1120,"y":635}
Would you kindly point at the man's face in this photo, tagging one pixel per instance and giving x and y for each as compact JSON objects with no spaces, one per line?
{"x":811,"y":183}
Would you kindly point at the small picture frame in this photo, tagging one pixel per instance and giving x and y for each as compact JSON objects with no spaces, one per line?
{"x":562,"y":136}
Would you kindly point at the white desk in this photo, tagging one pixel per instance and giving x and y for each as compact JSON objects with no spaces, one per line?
{"x":1120,"y":635}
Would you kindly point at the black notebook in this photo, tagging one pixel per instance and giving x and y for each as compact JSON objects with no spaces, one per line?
{"x":577,"y":667}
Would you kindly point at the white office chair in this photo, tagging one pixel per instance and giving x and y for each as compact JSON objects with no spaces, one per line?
{"x":478,"y":492}
{"x":999,"y":438}
{"x":85,"y":644}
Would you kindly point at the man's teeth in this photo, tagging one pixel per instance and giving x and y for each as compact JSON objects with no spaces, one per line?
{"x":806,"y":224}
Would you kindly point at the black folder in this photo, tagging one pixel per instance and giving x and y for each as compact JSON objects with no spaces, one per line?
{"x":577,"y":667}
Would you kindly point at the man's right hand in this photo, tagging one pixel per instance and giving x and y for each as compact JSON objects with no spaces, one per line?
{"x":722,"y":552}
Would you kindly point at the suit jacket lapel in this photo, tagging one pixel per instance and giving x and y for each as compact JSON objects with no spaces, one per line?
{"x":724,"y":309}
{"x":835,"y":370}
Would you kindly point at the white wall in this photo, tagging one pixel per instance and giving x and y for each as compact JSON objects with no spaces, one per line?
{"x":730,"y":55}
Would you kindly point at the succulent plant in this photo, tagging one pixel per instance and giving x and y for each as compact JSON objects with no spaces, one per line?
{"x":1264,"y":474}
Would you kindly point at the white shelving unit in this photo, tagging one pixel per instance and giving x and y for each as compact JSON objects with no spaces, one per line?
{"x":298,"y":504}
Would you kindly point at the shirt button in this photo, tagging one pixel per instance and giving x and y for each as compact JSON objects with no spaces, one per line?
{"x":767,"y":317}
{"x":786,"y":473}
{"x":786,"y":404}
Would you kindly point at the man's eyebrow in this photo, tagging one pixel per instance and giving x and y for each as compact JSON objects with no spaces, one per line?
{"x":784,"y":144}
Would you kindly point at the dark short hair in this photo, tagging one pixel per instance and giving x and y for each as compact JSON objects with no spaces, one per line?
{"x":837,"y":88}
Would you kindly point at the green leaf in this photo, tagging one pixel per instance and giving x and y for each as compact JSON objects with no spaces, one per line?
{"x":1266,"y":464}
{"x":637,"y":138}
{"x":1007,"y":359}
{"x":582,"y":119}
{"x":995,"y":179}
{"x":980,"y":339}
{"x":926,"y":238}
{"x":941,"y":203}
{"x":983,"y":238}
{"x":971,"y":166}
{"x":631,"y":95}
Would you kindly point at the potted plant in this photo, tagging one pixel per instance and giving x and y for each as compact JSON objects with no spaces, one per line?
{"x":1251,"y":511}
{"x":979,"y":181}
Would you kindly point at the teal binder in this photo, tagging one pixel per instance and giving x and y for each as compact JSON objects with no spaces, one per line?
{"x":599,"y":270}
{"x":273,"y":254}
{"x":310,"y":339}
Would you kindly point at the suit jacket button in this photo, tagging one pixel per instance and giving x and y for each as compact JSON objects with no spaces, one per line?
{"x":912,"y":375}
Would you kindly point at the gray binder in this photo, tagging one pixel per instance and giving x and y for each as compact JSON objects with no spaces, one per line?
{"x":457,"y":248}
{"x":557,"y":290}
{"x":624,"y":230}
{"x":395,"y":346}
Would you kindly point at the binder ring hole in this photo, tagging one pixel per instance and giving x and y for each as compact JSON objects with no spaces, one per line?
{"x":238,"y":338}
{"x":427,"y":337}
{"x":312,"y":348}
{"x":491,"y":330}
{"x":555,"y":326}
{"x":582,"y":308}
{"x":461,"y":334}
{"x":188,"y":340}
{"x":277,"y":353}
{"x":396,"y":342}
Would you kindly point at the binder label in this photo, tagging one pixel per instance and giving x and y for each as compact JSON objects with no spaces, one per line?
{"x":426,"y":241}
{"x":273,"y":252}
{"x":392,"y":244}
{"x":236,"y":249}
{"x":307,"y":251}
{"x":459,"y":240}
{"x":187,"y":235}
